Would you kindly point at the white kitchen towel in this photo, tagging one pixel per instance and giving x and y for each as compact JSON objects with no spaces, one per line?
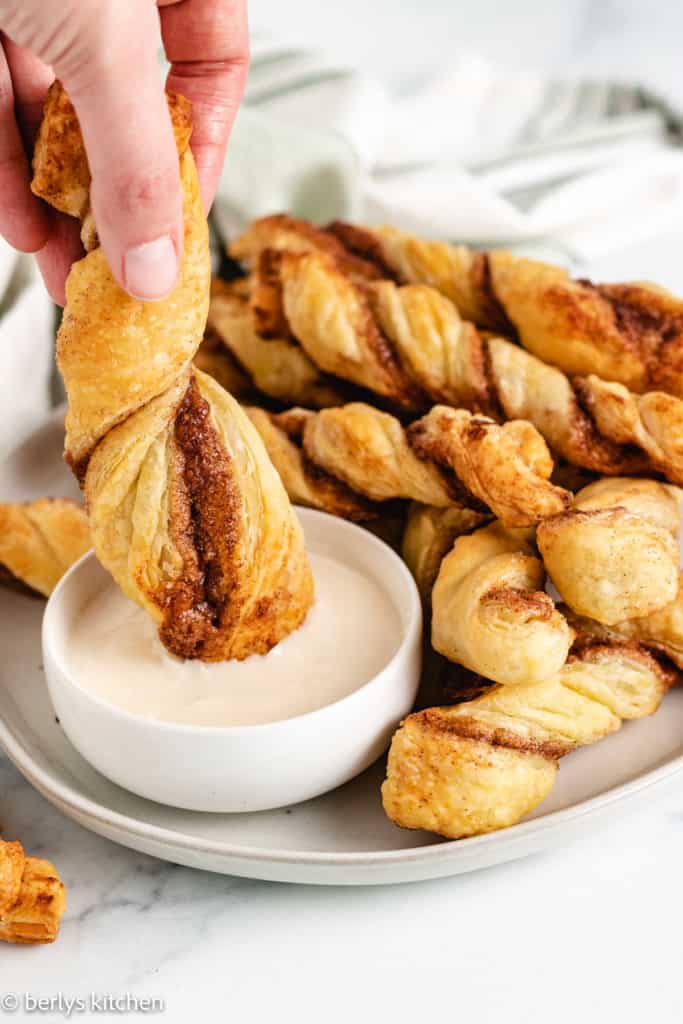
{"x":27,"y":329}
{"x":479,"y":154}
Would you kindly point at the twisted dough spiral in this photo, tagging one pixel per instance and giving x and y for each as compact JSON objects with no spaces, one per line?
{"x":449,"y":457}
{"x":40,"y":540}
{"x":490,"y":613}
{"x":277,"y":367}
{"x":615,"y":554}
{"x":631,"y":333}
{"x":185,"y":508}
{"x":482,"y":765}
{"x":408,"y":344}
{"x":662,"y":630}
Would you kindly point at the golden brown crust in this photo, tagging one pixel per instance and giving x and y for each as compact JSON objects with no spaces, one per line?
{"x":369,"y":451}
{"x":490,"y":613}
{"x":429,"y":536}
{"x":661,"y":631}
{"x":32,"y":897}
{"x":115,"y":352}
{"x":186,"y":510}
{"x":505,"y":467}
{"x":278,"y":367}
{"x":631,"y":333}
{"x":482,"y":765}
{"x":439,"y":357}
{"x":195,"y":525}
{"x":61,"y":175}
{"x":40,"y":540}
{"x":614,"y":556}
{"x":280,"y":232}
{"x":449,"y":458}
{"x":305,"y":483}
{"x":332,"y":319}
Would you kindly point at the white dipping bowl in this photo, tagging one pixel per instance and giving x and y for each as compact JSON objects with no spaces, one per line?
{"x":246,"y":767}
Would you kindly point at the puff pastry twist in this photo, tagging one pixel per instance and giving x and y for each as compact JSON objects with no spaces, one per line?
{"x":615,"y":554}
{"x":482,"y":765}
{"x":357,"y":318}
{"x":39,"y":541}
{"x":185,"y":508}
{"x":490,"y":612}
{"x":631,"y":333}
{"x":348,"y":459}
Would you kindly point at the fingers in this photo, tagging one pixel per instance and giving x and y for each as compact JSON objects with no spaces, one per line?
{"x":23,"y":222}
{"x":207,"y":43}
{"x":113,"y":80}
{"x":55,"y":258}
{"x":30,"y":80}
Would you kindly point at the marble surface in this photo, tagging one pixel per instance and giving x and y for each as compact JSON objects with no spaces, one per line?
{"x":581,"y":932}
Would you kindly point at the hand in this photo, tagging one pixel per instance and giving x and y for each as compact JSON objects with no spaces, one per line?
{"x":105,"y":52}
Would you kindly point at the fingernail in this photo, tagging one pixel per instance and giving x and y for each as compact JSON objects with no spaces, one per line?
{"x":151,"y":270}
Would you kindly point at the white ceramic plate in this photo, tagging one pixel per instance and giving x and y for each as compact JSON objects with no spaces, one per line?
{"x":341,"y":838}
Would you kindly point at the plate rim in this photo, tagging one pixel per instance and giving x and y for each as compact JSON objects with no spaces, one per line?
{"x":65,"y":796}
{"x":83,"y":808}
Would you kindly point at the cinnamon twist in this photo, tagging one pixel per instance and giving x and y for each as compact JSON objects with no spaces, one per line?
{"x":615,"y":554}
{"x":631,"y":333}
{"x":482,"y":765}
{"x":490,"y":612}
{"x":39,"y":541}
{"x":409,"y":345}
{"x":277,"y":367}
{"x":185,"y":509}
{"x":449,"y":457}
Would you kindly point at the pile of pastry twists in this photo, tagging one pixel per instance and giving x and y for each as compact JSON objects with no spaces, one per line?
{"x":391,"y":379}
{"x":597,"y":369}
{"x":427,"y":372}
{"x":32,"y":897}
{"x":551,"y":677}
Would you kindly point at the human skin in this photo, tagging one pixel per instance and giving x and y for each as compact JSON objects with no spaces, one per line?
{"x":105,"y":53}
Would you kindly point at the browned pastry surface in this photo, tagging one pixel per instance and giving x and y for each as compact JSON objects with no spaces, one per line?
{"x":408,"y":342}
{"x":615,"y":554}
{"x":40,"y":540}
{"x":450,"y":457}
{"x":481,"y":765}
{"x":490,"y":612}
{"x":632,"y":333}
{"x":186,"y":510}
{"x":277,"y":367}
{"x":32,"y":897}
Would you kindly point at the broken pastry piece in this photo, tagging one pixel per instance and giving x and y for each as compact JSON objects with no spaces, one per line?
{"x":490,"y":612}
{"x":32,"y":897}
{"x":185,"y":508}
{"x":40,"y":540}
{"x":614,"y":556}
{"x":481,"y":765}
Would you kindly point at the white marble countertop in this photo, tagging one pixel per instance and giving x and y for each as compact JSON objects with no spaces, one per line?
{"x":579,"y":933}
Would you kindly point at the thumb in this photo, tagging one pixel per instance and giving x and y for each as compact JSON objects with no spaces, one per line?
{"x":113,"y":79}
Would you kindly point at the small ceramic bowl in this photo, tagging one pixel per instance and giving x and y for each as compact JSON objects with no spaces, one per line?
{"x":252,"y":767}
